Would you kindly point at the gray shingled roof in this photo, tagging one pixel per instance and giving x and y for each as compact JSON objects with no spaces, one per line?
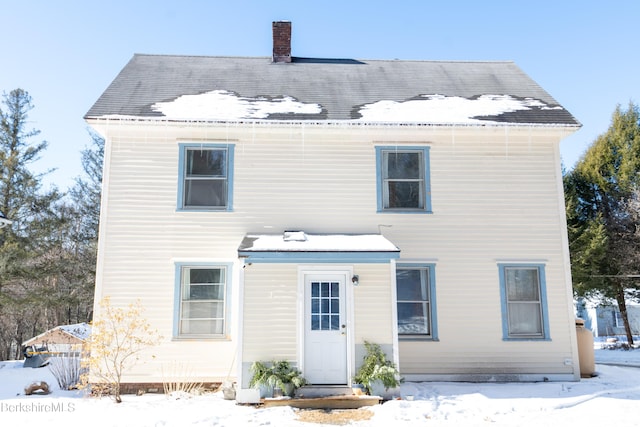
{"x":338,"y":87}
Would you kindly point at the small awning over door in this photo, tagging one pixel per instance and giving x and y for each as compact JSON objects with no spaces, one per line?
{"x":298,"y":246}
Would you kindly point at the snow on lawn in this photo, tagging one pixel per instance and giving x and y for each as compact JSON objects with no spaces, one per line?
{"x":611,"y":398}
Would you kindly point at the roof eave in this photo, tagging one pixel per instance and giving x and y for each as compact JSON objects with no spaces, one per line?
{"x":355,"y":123}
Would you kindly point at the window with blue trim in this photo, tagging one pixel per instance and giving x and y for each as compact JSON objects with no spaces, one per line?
{"x":206,"y":177}
{"x":523,"y":297}
{"x":403,"y":179}
{"x":415,"y":293}
{"x":201,"y":300}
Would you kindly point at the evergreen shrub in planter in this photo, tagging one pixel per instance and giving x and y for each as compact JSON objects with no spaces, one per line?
{"x":279,"y":374}
{"x":377,"y":369}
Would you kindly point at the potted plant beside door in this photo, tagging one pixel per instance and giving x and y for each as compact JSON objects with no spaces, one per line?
{"x":288,"y":378}
{"x":262,"y":378}
{"x":377,"y":374}
{"x":279,"y":374}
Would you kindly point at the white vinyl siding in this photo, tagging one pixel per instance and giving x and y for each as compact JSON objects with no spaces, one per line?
{"x":270,"y":312}
{"x":495,"y":198}
{"x":372,"y":306}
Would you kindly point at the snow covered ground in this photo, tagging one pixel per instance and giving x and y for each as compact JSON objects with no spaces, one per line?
{"x":611,"y":398}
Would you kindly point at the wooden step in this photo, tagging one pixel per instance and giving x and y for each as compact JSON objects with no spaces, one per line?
{"x":311,"y":391}
{"x":327,"y":402}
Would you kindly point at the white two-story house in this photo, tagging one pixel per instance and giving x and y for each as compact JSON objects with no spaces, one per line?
{"x":293,"y":208}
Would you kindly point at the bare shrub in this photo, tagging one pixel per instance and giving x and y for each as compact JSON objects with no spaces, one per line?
{"x":118,"y":337}
{"x":66,"y":370}
{"x":177,"y":379}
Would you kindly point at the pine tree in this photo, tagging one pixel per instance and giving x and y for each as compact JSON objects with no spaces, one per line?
{"x":87,"y":190}
{"x":25,"y":245}
{"x":602,"y":195}
{"x":85,"y":216}
{"x":72,"y":254}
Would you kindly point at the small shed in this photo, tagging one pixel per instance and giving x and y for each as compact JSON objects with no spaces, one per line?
{"x":65,"y":335}
{"x":64,"y":340}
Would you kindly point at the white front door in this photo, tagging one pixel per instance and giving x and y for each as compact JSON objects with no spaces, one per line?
{"x":325,"y":334}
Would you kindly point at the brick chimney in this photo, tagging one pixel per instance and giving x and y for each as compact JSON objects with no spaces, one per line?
{"x":282,"y":41}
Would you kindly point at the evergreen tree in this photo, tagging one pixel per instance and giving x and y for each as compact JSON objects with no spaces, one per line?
{"x":87,"y":191}
{"x":602,"y":198}
{"x":24,"y":244}
{"x":72,"y":255}
{"x":85,"y":213}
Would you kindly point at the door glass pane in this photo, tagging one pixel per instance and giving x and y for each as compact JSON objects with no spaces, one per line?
{"x":335,"y":306}
{"x":324,"y":322}
{"x":324,"y":289}
{"x":325,"y":306}
{"x":335,"y":322}
{"x":334,"y":290}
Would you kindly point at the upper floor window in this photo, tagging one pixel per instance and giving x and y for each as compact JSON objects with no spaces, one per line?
{"x":206,"y":177}
{"x":415,"y":293}
{"x":524,"y":306}
{"x":403,"y":179}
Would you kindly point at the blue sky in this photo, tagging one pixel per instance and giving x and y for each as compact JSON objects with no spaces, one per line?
{"x":65,"y":53}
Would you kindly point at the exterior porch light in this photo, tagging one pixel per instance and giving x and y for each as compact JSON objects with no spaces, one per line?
{"x":355,"y":280}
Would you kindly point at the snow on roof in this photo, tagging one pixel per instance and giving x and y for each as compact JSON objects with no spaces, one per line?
{"x":224,"y":105}
{"x":435,"y":109}
{"x":78,"y":330}
{"x":62,"y":334}
{"x":289,"y":242}
{"x":447,"y":109}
